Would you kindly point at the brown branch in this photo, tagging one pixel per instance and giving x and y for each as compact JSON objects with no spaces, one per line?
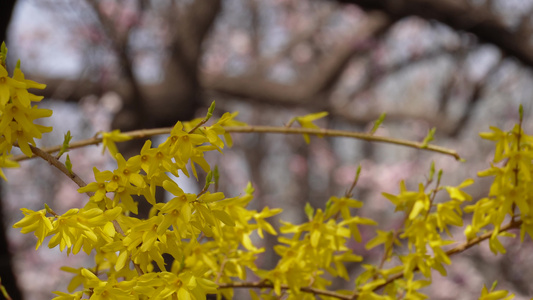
{"x":268,"y":285}
{"x":60,"y":166}
{"x":341,"y":133}
{"x":137,"y":134}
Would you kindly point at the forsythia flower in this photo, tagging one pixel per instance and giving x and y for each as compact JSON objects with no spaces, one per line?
{"x":5,"y":162}
{"x":35,"y":221}
{"x":109,"y":139}
{"x":16,"y":113}
{"x":494,"y":295}
{"x":307,"y":122}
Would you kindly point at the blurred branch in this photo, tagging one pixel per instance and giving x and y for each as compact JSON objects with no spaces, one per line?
{"x":119,"y":42}
{"x":375,"y":74}
{"x":474,"y":98}
{"x":448,"y":87}
{"x":481,"y":22}
{"x":256,"y":88}
{"x":297,"y":39}
{"x":253,"y":7}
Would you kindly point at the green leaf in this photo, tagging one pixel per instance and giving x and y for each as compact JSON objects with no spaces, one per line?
{"x":3,"y":54}
{"x":431,"y":171}
{"x":496,"y":282}
{"x":68,"y":164}
{"x":378,"y":122}
{"x":309,"y":211}
{"x":208,"y":180}
{"x":429,"y":137}
{"x":216,"y":176}
{"x":210,"y":111}
{"x":357,"y":173}
{"x":65,"y":146}
{"x":249,"y":188}
{"x":329,"y":203}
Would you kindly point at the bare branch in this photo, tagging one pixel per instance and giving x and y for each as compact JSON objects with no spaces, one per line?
{"x":307,"y":89}
{"x":481,"y":22}
{"x":145,"y":133}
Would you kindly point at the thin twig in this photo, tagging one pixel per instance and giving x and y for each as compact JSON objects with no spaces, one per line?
{"x":60,"y":166}
{"x":268,"y":285}
{"x":144,"y":133}
{"x":342,"y":133}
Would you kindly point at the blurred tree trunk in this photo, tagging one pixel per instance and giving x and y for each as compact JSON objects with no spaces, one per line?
{"x":7,"y":275}
{"x":6,"y":10}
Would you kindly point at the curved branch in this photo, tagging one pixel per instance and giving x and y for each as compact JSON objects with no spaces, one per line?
{"x":144,"y":133}
{"x":478,"y":20}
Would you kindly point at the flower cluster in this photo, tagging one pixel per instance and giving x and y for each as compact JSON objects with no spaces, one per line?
{"x":206,"y":234}
{"x":422,"y":229}
{"x":511,"y":192}
{"x":17,"y":114}
{"x":199,"y":244}
{"x":317,"y":250}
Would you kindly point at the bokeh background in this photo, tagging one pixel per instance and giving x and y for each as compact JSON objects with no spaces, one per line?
{"x":456,"y":65}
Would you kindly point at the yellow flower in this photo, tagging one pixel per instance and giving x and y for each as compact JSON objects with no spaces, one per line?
{"x":17,"y":125}
{"x":307,"y":122}
{"x":35,"y":221}
{"x":343,"y":206}
{"x":5,"y":162}
{"x":109,"y":139}
{"x":65,"y":296}
{"x":262,"y":224}
{"x":494,"y":295}
{"x":6,"y":83}
{"x":21,"y":94}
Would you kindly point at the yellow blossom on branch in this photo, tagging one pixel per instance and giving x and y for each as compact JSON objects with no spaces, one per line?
{"x":109,"y":139}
